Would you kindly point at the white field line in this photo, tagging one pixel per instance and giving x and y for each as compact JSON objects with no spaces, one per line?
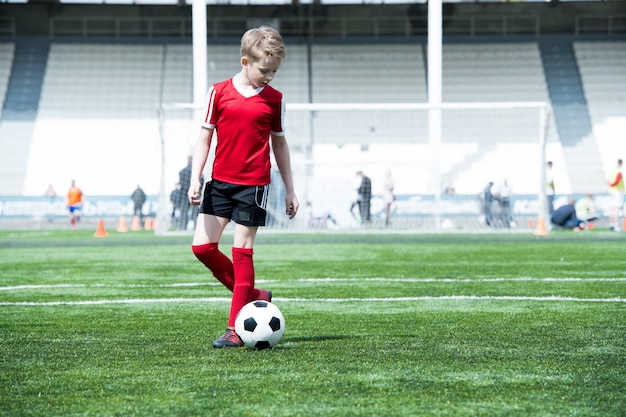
{"x":305,"y":300}
{"x":258,"y":281}
{"x":173,"y":285}
{"x":315,"y":300}
{"x":462,"y":280}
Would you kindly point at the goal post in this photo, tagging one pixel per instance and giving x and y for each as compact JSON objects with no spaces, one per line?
{"x":436,"y":180}
{"x":178,"y":128}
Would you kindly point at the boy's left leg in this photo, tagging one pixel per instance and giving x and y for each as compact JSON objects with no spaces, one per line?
{"x":244,"y":282}
{"x":242,"y":291}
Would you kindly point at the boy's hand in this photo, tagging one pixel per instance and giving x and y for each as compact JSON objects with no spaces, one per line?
{"x":194,"y":194}
{"x":291,"y":203}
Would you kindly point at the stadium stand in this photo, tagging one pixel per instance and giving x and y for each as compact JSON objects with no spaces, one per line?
{"x":177,"y":84}
{"x":572,"y":115}
{"x":222,"y":63}
{"x":602,"y":69}
{"x":27,"y":71}
{"x":362,"y":73}
{"x":129,"y":79}
{"x":25,"y":61}
{"x":98,"y":106}
{"x":494,"y":72}
{"x":6,"y":60}
{"x":293,"y":75}
{"x":112,"y":91}
{"x":367,"y":73}
{"x":102,"y":81}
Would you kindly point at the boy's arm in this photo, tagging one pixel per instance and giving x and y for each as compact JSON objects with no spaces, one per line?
{"x":283,"y":161}
{"x":200,"y":155}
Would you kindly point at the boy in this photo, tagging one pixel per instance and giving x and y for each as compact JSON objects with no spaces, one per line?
{"x":246,"y":113}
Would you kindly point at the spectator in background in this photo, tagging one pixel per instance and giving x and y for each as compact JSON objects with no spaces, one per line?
{"x":184,"y":206}
{"x":74,"y":203}
{"x":50,"y":193}
{"x":355,"y":202}
{"x":139,"y":198}
{"x":175,"y":197}
{"x":616,"y":191}
{"x":364,"y":198}
{"x":565,"y":216}
{"x":319,"y":221}
{"x":486,"y":201}
{"x":550,"y":190}
{"x":504,"y":199}
{"x":388,"y":195}
{"x":586,"y":209}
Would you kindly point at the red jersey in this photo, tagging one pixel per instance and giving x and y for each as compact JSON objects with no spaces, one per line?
{"x":243,"y":126}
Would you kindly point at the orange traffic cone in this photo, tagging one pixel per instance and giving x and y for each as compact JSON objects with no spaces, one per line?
{"x":134,"y":226}
{"x":100,"y":232}
{"x":541,"y":228}
{"x":147,"y":224}
{"x":624,"y":225}
{"x":530,"y":223}
{"x":121,"y":226}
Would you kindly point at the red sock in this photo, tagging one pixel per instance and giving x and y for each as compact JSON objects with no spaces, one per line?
{"x":217,"y":262}
{"x":244,"y":281}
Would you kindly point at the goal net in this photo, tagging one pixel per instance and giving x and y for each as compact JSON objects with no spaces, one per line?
{"x":438,"y":158}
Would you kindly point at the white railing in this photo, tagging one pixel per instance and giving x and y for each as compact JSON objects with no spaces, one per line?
{"x":7,"y":26}
{"x":606,"y":24}
{"x":311,"y":26}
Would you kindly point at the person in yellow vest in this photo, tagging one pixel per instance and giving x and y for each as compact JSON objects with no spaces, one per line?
{"x":586,"y":210}
{"x":616,"y":191}
{"x":74,"y":203}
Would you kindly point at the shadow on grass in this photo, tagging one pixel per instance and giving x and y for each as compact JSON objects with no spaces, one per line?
{"x":316,"y":338}
{"x":290,"y":343}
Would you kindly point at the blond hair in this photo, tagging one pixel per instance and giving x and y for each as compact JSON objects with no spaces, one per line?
{"x":263,"y":44}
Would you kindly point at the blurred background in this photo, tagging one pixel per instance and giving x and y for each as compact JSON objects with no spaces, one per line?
{"x":101,"y":93}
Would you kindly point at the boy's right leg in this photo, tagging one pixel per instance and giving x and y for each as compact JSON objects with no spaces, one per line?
{"x":222,"y":268}
{"x":218,"y":263}
{"x":205,"y":247}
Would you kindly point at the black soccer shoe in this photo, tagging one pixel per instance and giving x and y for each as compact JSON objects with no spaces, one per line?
{"x":229,"y":339}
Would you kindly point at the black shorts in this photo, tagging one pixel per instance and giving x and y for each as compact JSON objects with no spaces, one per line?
{"x":243,"y":204}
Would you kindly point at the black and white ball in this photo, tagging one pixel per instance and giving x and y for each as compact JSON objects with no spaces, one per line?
{"x":260,"y":324}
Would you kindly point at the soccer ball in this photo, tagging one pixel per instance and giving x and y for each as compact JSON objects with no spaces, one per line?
{"x":260,"y":324}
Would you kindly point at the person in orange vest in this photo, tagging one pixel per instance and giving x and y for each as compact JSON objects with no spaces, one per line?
{"x":74,"y":203}
{"x":616,"y":191}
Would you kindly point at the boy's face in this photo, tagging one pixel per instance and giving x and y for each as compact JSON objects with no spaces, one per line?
{"x":260,"y":73}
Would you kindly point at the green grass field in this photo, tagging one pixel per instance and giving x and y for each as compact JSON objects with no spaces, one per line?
{"x":377,"y":325}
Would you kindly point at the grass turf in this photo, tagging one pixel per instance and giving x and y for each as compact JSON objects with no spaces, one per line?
{"x":382,"y":325}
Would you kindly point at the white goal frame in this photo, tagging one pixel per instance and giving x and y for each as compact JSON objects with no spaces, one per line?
{"x":434,"y":111}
